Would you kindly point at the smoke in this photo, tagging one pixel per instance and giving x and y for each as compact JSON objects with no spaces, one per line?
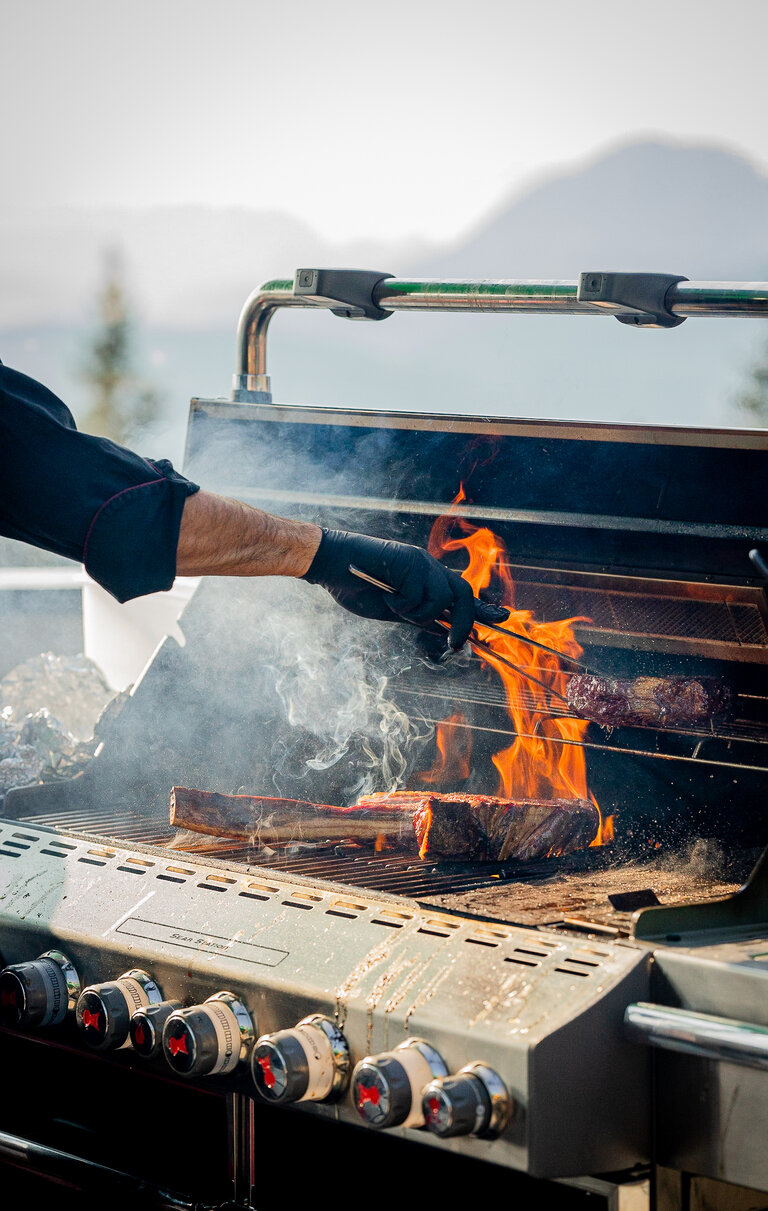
{"x":323,"y":677}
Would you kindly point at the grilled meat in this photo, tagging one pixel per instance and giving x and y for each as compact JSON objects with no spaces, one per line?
{"x":261,"y":820}
{"x":443,"y":826}
{"x":483,"y":826}
{"x":648,"y":701}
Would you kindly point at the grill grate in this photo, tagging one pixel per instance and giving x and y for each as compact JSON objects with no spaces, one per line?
{"x":640,"y":615}
{"x":396,"y":874}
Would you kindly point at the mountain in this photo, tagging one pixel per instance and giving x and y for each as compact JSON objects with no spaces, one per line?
{"x":652,"y":206}
{"x":186,"y":266}
{"x":694,"y":210}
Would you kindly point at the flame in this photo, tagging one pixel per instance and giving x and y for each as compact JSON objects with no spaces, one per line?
{"x":546,"y":759}
{"x":454,"y":748}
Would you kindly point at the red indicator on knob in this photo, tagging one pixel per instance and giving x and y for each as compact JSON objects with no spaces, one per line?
{"x":178,"y":1046}
{"x":9,"y":998}
{"x":368,"y":1093}
{"x":266,"y":1067}
{"x":138,"y":1036}
{"x":90,"y":1020}
{"x":433,"y":1108}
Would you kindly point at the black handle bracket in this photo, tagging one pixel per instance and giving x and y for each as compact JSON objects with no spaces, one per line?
{"x":352,"y":290}
{"x":645,"y":293}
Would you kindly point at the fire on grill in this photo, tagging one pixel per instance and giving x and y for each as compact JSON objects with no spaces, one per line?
{"x":542,"y":807}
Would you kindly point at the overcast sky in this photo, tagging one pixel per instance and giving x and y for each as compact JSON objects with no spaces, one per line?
{"x":409,"y":117}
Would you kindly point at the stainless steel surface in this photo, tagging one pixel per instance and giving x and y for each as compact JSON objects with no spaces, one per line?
{"x":242,"y":1017}
{"x":339,"y":1050}
{"x":502,"y":1104}
{"x":244,"y":1150}
{"x":384,"y":970}
{"x":507,"y":295}
{"x":451,"y":422}
{"x":713,"y":1038}
{"x":71,"y":978}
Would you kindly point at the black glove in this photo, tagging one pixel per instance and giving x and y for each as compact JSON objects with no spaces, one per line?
{"x":424,"y":589}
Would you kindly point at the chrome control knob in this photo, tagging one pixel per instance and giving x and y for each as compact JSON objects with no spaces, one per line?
{"x":104,"y":1010}
{"x":386,"y":1088}
{"x":309,"y":1063}
{"x":473,"y":1102}
{"x":209,"y":1039}
{"x":39,"y":993}
{"x":146,"y":1028}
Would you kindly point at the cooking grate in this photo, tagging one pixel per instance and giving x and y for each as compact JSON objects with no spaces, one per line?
{"x":359,"y":866}
{"x":640,"y":616}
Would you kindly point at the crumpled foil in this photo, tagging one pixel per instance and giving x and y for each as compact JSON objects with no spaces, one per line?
{"x":50,"y":711}
{"x":70,"y":687}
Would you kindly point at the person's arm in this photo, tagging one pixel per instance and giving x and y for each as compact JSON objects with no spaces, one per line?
{"x":136,"y":523}
{"x":223,"y":537}
{"x":85,"y":497}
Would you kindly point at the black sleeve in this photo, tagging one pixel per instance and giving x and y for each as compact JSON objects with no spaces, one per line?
{"x":85,"y":497}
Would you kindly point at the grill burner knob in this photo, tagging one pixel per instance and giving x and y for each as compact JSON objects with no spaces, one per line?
{"x":146,"y":1028}
{"x":104,"y":1010}
{"x":307,"y":1064}
{"x":386,"y":1088}
{"x":39,"y":993}
{"x":208,"y":1039}
{"x":473,"y":1102}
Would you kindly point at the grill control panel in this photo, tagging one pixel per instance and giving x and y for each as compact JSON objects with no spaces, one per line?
{"x":38,"y":994}
{"x":473,"y":1102}
{"x":104,"y":1010}
{"x":387,"y":1088}
{"x":309,"y":1063}
{"x":368,"y":1010}
{"x":209,"y":1039}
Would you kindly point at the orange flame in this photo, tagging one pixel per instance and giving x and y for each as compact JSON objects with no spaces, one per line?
{"x":546,"y":759}
{"x":454,"y":749}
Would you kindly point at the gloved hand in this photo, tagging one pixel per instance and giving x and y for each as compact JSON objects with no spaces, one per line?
{"x":424,"y":589}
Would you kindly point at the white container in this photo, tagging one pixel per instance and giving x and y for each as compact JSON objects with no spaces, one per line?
{"x":122,"y":639}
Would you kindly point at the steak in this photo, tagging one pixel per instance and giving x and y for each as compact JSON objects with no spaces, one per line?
{"x":443,"y":826}
{"x":648,"y":701}
{"x":456,"y":825}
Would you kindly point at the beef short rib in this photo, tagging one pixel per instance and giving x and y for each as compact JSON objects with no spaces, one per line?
{"x":648,"y":701}
{"x":485,"y":826}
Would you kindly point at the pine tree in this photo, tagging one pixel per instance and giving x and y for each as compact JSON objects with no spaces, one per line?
{"x":121,"y":403}
{"x":754,"y":400}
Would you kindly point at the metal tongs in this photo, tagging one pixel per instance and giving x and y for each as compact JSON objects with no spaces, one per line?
{"x":485,"y":648}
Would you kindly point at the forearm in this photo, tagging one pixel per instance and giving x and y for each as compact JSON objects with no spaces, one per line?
{"x":223,"y":537}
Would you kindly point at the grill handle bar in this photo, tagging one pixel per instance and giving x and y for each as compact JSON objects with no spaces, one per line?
{"x":684,"y":299}
{"x":712,"y":1038}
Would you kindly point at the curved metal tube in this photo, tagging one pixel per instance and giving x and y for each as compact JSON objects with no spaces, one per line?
{"x":748,"y":299}
{"x":702,"y":1034}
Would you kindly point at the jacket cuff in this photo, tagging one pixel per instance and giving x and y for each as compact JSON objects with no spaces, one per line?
{"x":130,"y":547}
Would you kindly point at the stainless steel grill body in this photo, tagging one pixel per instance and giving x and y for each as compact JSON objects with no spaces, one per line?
{"x":643,"y":531}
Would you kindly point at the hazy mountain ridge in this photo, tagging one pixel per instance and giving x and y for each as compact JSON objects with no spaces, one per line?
{"x":698,"y":211}
{"x":654,"y":206}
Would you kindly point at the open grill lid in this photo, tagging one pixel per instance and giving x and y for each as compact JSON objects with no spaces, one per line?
{"x":644,"y":530}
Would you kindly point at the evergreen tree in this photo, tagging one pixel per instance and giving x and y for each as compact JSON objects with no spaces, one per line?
{"x":754,"y":400}
{"x":121,"y":403}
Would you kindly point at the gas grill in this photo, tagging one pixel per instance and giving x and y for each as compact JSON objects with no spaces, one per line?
{"x":576,"y":1025}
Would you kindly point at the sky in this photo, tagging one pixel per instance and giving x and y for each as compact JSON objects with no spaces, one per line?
{"x":409,"y":119}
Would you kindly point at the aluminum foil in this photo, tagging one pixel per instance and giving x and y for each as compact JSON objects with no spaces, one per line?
{"x":50,"y":712}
